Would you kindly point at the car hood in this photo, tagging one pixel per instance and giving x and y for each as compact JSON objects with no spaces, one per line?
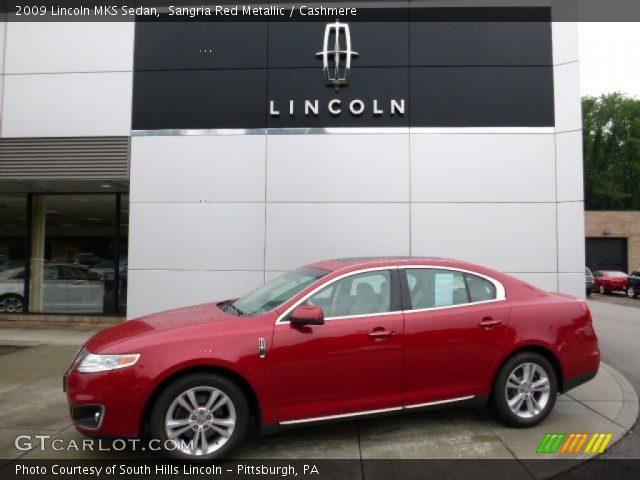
{"x":141,"y":329}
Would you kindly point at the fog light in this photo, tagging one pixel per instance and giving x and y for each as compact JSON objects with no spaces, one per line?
{"x":88,"y":416}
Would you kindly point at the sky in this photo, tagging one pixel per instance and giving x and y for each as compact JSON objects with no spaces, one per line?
{"x":609,"y":58}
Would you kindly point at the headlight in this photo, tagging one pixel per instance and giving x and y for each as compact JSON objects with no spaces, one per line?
{"x":101,"y":363}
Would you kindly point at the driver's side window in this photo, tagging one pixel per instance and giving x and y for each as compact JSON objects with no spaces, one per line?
{"x":360,"y":294}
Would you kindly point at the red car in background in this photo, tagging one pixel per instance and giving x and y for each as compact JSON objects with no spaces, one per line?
{"x":607,"y":281}
{"x":336,"y":339}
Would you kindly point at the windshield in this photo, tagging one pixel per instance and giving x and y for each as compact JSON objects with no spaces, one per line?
{"x":274,"y":293}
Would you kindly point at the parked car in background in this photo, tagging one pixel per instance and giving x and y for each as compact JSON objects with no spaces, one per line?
{"x":335,"y":339}
{"x":588,"y":281}
{"x":633,"y":284}
{"x":607,"y":281}
{"x":66,"y":288}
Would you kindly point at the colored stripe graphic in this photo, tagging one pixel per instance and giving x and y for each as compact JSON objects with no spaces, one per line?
{"x":551,"y":442}
{"x":598,"y":442}
{"x":572,"y":443}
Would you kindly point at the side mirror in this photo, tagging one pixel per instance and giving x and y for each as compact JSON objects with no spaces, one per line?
{"x":307,"y":315}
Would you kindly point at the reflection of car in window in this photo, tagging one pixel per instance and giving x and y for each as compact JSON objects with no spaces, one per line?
{"x":66,"y":288}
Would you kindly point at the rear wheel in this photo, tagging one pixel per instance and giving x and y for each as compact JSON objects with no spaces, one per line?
{"x":11,"y":303}
{"x":200,"y":416}
{"x":602,"y":290}
{"x":631,"y":292}
{"x":525,"y":390}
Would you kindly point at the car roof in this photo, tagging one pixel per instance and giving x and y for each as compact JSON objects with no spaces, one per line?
{"x":356,"y":263}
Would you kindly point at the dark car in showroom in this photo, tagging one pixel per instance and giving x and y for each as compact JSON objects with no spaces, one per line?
{"x":608,"y":281}
{"x":633,"y":284}
{"x":332,"y":340}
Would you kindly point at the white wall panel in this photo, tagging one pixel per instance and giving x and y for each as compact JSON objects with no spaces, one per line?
{"x":84,"y":104}
{"x":569,"y":166}
{"x":572,"y":284}
{"x":482,"y":168}
{"x":301,"y":233}
{"x":198,"y":169}
{"x":508,"y":237}
{"x":565,"y":42}
{"x":568,"y":107}
{"x":159,"y":290}
{"x":196,"y":236}
{"x":546,"y":281}
{"x":338,"y":168}
{"x":55,"y":47}
{"x":571,"y":237}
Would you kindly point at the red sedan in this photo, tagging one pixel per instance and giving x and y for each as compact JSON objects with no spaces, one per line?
{"x":335,"y":339}
{"x":607,"y":281}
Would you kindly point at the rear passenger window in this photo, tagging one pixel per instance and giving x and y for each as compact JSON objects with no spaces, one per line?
{"x":431,"y":288}
{"x":480,"y":288}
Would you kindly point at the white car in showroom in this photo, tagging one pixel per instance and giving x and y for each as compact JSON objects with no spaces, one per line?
{"x":66,"y":288}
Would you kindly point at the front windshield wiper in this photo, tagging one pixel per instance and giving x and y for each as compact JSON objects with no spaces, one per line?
{"x":229,"y":307}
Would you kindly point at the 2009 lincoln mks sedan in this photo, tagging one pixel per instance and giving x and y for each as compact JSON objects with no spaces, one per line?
{"x":336,"y":339}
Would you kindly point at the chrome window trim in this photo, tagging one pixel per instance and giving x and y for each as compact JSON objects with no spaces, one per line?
{"x":281,"y":317}
{"x":373,"y":412}
{"x":500,"y":291}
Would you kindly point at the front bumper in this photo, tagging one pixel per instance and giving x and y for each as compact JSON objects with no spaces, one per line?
{"x":115,"y":396}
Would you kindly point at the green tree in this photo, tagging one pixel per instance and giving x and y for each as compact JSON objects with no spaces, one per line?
{"x":611,"y":144}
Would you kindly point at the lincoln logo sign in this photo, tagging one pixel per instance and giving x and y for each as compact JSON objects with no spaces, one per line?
{"x":337,"y":74}
{"x":336,"y":69}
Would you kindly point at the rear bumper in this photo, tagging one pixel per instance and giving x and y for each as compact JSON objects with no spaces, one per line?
{"x":573,"y":382}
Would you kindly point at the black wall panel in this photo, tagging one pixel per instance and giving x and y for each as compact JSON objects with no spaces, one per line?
{"x":480,"y":43}
{"x":482,"y":96}
{"x":199,"y":99}
{"x":466,"y":71}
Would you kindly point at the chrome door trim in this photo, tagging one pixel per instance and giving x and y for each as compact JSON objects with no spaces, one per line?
{"x":438,"y":402}
{"x":373,"y":412}
{"x":500,"y":291}
{"x":343,"y":415}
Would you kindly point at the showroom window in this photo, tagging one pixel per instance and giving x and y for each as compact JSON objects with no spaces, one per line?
{"x":359,"y":294}
{"x":73,"y":257}
{"x":13,"y":251}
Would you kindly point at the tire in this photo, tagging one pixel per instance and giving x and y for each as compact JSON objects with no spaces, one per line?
{"x":537,"y":403}
{"x":232,"y":416}
{"x":588,"y":292}
{"x":631,"y":292}
{"x":11,"y":303}
{"x":602,"y":290}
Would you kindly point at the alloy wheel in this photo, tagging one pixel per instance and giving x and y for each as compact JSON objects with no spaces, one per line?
{"x":527,"y":390}
{"x":602,"y":290}
{"x":200,"y":420}
{"x":11,"y":305}
{"x":631,"y":292}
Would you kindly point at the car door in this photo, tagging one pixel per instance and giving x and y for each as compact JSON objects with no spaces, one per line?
{"x":350,"y":364}
{"x":455,"y":324}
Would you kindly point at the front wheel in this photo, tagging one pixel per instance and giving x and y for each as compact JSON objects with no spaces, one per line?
{"x":602,"y":290}
{"x":200,"y":417}
{"x":525,"y":390}
{"x":631,"y":292}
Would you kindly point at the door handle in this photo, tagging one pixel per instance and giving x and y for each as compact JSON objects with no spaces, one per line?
{"x":381,"y":334}
{"x":488,"y":323}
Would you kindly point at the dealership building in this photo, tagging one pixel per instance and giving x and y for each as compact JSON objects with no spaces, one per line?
{"x":151,"y":165}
